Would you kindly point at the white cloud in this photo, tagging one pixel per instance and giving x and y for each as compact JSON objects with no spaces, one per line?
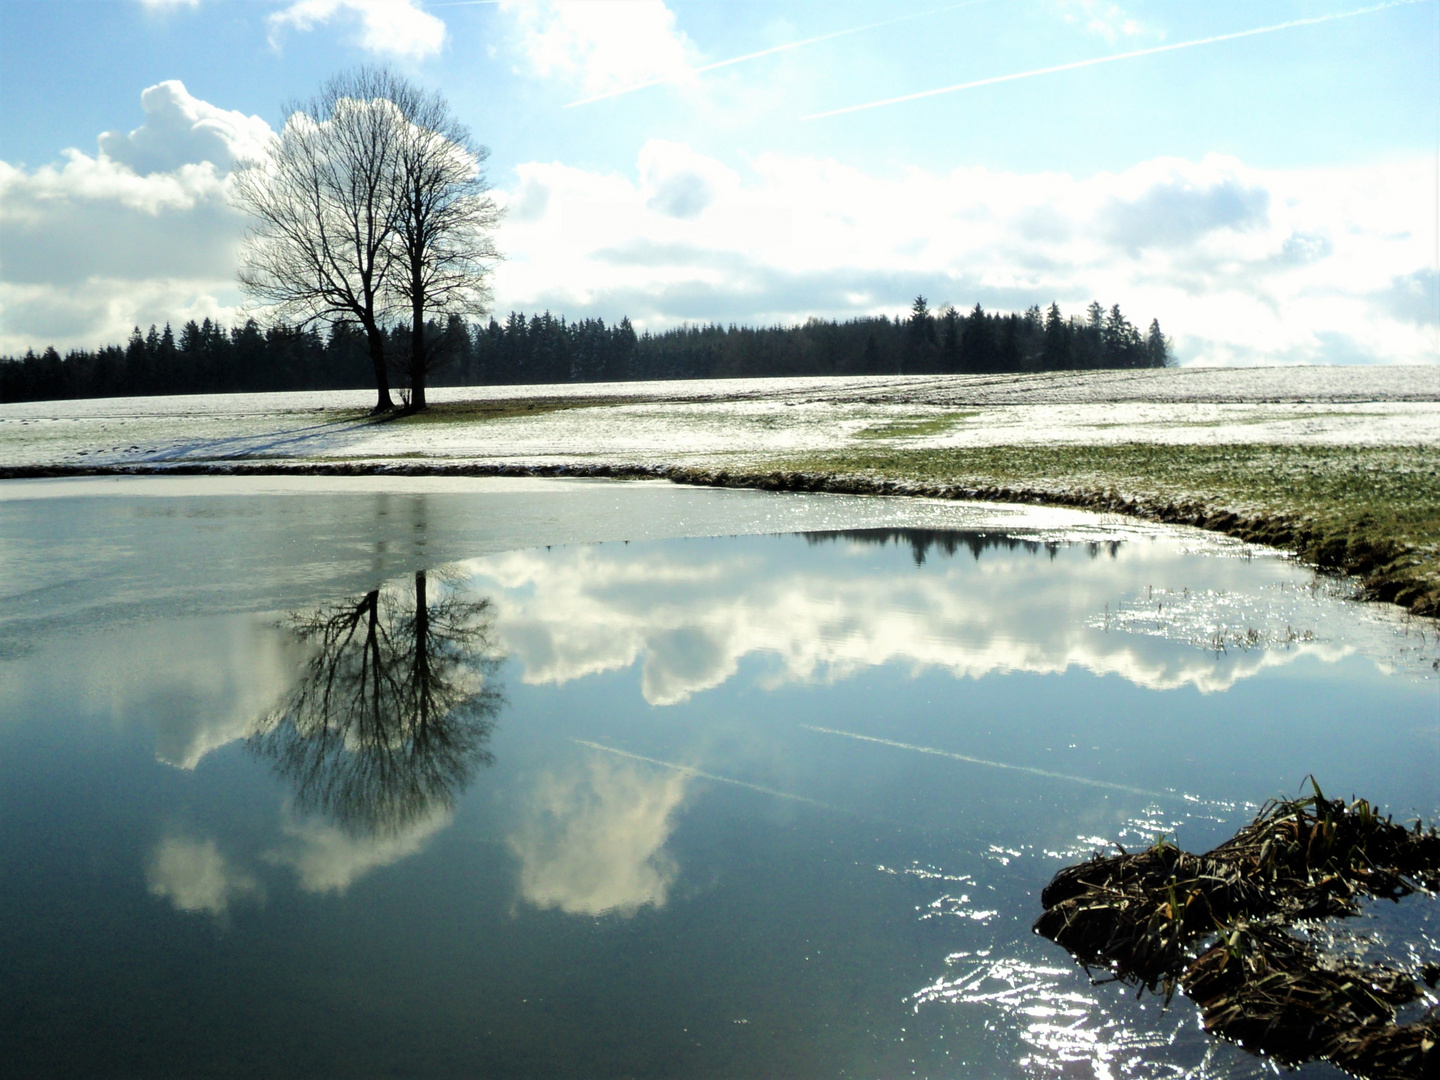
{"x":386,"y":27}
{"x":139,"y":232}
{"x":183,"y":130}
{"x":166,"y":5}
{"x":104,"y":310}
{"x":593,"y":841}
{"x":195,"y":877}
{"x":601,"y":45}
{"x":328,"y":859}
{"x":1241,"y":265}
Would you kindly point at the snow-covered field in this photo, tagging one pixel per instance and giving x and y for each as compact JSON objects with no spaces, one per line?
{"x":736,"y":420}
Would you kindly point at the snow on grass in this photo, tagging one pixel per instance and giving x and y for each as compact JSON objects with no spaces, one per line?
{"x":744,"y":420}
{"x":1339,"y":464}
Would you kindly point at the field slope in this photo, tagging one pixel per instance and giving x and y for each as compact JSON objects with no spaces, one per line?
{"x":1340,"y":465}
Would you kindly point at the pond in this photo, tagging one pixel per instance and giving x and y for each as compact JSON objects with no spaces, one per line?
{"x":565,"y":778}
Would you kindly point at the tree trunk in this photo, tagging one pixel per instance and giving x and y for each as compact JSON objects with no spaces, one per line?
{"x":422,"y":653}
{"x":417,"y":343}
{"x":376,"y":341}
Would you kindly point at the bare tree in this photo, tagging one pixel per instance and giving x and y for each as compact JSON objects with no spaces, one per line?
{"x":444,"y":248}
{"x":324,"y":202}
{"x":370,"y":205}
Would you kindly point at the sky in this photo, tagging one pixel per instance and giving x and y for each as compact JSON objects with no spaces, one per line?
{"x":1261,"y":176}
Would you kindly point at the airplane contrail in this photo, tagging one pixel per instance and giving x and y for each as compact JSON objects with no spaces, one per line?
{"x":687,"y":770}
{"x":1153,"y":50}
{"x":991,"y":764}
{"x":769,"y":52}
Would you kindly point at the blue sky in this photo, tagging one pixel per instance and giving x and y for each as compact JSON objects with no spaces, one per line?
{"x":1270,"y":197}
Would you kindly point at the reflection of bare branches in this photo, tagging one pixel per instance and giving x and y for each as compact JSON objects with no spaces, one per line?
{"x":394,"y":710}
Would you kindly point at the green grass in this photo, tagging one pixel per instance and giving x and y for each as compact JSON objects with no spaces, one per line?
{"x":902,"y":429}
{"x":1372,"y":511}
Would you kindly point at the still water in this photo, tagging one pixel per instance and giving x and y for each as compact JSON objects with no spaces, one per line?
{"x":524,"y":779}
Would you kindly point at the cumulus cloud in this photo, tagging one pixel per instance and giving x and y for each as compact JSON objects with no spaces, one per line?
{"x":386,"y":27}
{"x":1414,"y":297}
{"x":593,"y":840}
{"x":1178,"y":209}
{"x":139,"y":232}
{"x":600,"y":45}
{"x":195,"y":877}
{"x":93,"y":218}
{"x":180,"y":129}
{"x":1241,"y":265}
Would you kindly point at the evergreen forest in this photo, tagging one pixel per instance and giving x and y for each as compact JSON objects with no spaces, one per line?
{"x":205,"y":358}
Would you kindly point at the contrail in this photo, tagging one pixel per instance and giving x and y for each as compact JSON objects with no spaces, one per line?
{"x":688,"y":771}
{"x":993,"y":764}
{"x":1112,"y":59}
{"x":770,"y":51}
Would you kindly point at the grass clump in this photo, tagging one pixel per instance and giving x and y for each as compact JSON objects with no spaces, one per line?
{"x":1216,"y":926}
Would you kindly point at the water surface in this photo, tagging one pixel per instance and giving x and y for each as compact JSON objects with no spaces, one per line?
{"x":368,"y":783}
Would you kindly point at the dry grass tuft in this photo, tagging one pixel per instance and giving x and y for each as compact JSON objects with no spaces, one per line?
{"x":1215,"y":926}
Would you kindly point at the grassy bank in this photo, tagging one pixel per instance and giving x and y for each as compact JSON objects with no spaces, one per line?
{"x":1373,"y":511}
{"x":1370,"y":511}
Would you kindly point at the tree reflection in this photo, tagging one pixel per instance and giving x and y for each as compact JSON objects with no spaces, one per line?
{"x":394,"y":709}
{"x":950,"y":541}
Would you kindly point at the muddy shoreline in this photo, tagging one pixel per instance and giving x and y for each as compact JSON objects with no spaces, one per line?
{"x":1379,"y":578}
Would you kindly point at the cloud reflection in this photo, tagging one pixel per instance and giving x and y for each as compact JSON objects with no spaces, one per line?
{"x":195,"y":877}
{"x":202,"y":685}
{"x":327,"y":858}
{"x":690,"y":615}
{"x":593,"y":840}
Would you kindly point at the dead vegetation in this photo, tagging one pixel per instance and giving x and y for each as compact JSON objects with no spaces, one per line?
{"x":1216,"y":926}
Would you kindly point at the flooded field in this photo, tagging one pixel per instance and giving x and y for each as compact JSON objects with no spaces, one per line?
{"x":528,"y":778}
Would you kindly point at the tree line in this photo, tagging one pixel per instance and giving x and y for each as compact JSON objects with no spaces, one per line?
{"x":206,"y":358}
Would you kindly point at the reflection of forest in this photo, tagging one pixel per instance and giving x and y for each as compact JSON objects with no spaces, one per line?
{"x":394,"y":710}
{"x":948,"y":541}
